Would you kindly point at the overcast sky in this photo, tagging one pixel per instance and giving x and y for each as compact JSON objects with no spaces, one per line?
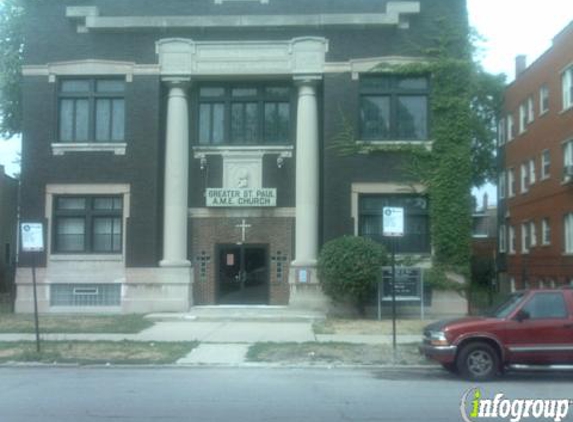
{"x":510,"y":27}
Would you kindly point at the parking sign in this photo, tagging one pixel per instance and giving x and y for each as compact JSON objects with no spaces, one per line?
{"x":393,"y":222}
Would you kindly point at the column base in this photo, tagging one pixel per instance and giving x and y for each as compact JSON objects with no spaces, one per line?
{"x":174,"y":264}
{"x":305,"y":289}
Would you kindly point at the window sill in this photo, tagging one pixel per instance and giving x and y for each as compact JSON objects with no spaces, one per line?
{"x":566,"y":109}
{"x":202,"y":150}
{"x":390,"y":143}
{"x":87,"y":257}
{"x":63,"y":147}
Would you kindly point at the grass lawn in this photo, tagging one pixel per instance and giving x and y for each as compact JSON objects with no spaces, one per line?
{"x":70,"y":324}
{"x":335,"y":353}
{"x":101,"y":352}
{"x":369,"y":327}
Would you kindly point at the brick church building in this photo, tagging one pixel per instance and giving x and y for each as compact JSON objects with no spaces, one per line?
{"x":179,"y":152}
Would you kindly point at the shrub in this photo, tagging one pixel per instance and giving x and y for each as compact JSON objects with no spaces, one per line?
{"x":348,"y":268}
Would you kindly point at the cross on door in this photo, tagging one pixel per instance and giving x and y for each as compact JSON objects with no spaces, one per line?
{"x":243,"y":226}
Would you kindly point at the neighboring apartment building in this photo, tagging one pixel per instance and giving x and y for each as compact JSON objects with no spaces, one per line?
{"x":536,"y":174}
{"x":8,"y":229}
{"x":178,"y":151}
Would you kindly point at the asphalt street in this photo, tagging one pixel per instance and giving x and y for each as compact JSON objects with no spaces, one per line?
{"x":89,"y":394}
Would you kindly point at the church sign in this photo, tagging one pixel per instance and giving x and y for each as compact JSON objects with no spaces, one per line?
{"x":241,"y":197}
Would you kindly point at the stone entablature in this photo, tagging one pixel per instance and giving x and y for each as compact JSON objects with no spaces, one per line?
{"x":88,"y":19}
{"x":179,"y":56}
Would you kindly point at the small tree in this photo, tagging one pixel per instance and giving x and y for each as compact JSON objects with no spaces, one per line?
{"x":348,"y":268}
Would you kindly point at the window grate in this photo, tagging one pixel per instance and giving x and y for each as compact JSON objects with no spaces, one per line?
{"x":85,"y":295}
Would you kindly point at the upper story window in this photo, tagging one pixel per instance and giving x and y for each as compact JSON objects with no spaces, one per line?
{"x":545,"y":232}
{"x":502,"y":238}
{"x":545,"y":164}
{"x":567,"y":85}
{"x":511,"y":240}
{"x":530,"y":110}
{"x":532,"y":172}
{"x":416,"y":224}
{"x":88,"y":224}
{"x":394,"y":107}
{"x":245,"y":114}
{"x":568,"y":233}
{"x":502,"y":185}
{"x":91,"y":110}
{"x":501,"y":132}
{"x":524,"y":172}
{"x":543,"y":99}
{"x":511,"y":182}
{"x":523,"y":117}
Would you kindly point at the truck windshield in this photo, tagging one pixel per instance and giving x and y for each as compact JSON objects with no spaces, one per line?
{"x":507,"y":306}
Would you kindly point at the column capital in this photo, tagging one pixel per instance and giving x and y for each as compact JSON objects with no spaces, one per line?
{"x":307,"y":80}
{"x":177,"y":81}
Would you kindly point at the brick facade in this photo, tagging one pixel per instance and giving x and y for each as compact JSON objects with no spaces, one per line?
{"x":550,"y":197}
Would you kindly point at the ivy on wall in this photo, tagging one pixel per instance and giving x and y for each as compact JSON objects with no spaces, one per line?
{"x":464,"y":106}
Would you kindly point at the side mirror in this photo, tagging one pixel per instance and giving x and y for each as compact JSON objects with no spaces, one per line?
{"x":522,"y":315}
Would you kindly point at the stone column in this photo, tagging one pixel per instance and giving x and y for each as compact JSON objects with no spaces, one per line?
{"x":307,"y":174}
{"x":176,"y":188}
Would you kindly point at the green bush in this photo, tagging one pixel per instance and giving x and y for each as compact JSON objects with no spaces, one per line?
{"x":348,"y":269}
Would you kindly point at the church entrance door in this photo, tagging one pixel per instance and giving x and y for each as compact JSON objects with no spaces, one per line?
{"x":243,"y":275}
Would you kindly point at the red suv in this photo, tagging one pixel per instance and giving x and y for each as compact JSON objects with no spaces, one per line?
{"x":533,"y":327}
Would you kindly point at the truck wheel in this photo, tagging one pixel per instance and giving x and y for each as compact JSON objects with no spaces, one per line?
{"x":478,"y":362}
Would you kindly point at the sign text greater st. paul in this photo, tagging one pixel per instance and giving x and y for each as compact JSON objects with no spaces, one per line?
{"x":244,"y":197}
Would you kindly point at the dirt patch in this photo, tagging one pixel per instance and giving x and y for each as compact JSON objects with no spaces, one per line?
{"x":369,"y":327}
{"x":335,"y":353}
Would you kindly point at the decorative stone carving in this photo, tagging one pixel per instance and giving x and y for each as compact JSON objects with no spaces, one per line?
{"x":242,"y":171}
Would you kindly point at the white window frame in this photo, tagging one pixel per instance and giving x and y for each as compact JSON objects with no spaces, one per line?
{"x":532,"y":234}
{"x":545,"y":232}
{"x":524,"y":178}
{"x":530,"y":110}
{"x":532,"y":172}
{"x":567,"y":87}
{"x":545,"y":164}
{"x":522,"y":117}
{"x":510,"y":128}
{"x":511,"y":239}
{"x":511,"y":182}
{"x":568,"y":153}
{"x":525,"y":238}
{"x":543,"y":95}
{"x":568,"y":233}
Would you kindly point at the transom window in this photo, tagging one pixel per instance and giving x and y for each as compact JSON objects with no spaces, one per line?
{"x":245,"y":114}
{"x":394,"y":107}
{"x":416,"y":224}
{"x":91,"y":110}
{"x":88,"y":224}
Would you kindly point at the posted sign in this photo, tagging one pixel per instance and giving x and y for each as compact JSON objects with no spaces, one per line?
{"x":393,"y":222}
{"x":32,"y":237}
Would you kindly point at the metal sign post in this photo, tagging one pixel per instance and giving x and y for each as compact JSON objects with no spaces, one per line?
{"x":32,"y":235}
{"x":393,"y":226}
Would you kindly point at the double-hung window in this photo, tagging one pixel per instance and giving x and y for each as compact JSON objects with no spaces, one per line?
{"x":523,"y":117}
{"x":502,"y":238}
{"x":545,"y":232}
{"x":510,"y":128}
{"x":543,"y":99}
{"x":511,"y":241}
{"x":394,"y":108}
{"x":416,"y":221}
{"x":511,"y":182}
{"x":568,"y":155}
{"x":91,"y":110}
{"x":524,"y":173}
{"x":568,"y":233}
{"x":502,"y":185}
{"x":525,"y":239}
{"x":245,"y":114}
{"x":567,"y":87}
{"x":87,"y":224}
{"x":545,"y":163}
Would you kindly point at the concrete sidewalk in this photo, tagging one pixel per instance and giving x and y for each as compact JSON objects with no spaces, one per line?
{"x":225,"y":334}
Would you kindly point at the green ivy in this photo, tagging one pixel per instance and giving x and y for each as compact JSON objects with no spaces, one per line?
{"x":464,"y":105}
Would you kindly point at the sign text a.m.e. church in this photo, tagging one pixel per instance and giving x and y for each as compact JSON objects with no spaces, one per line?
{"x":241,"y":197}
